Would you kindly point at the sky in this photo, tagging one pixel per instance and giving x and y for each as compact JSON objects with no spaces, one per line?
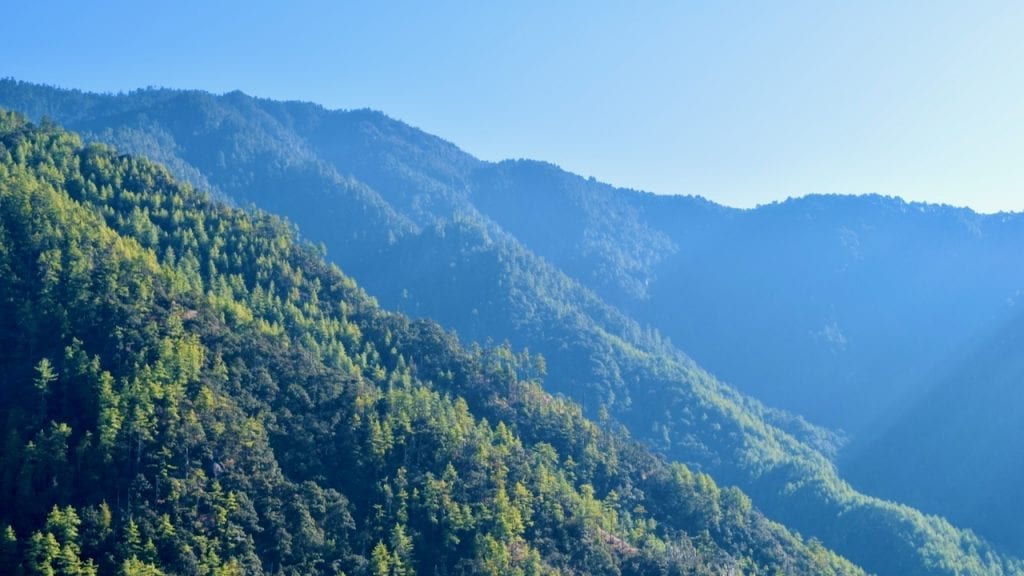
{"x":741,"y":102}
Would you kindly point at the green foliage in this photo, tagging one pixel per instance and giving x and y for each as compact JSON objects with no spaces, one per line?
{"x":222,"y":401}
{"x":9,"y":548}
{"x":380,"y":561}
{"x":135,"y":567}
{"x":417,"y":206}
{"x":605,"y":361}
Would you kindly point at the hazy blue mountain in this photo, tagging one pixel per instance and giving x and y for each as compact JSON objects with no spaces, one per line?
{"x":435,"y":232}
{"x":832,"y":307}
{"x":598,"y":234}
{"x":953,"y":447}
{"x":846,"y":310}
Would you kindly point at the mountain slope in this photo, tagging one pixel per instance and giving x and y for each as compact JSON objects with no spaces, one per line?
{"x":457,"y":265}
{"x":874,"y":296}
{"x":867,"y":292}
{"x":189,"y":389}
{"x":952,"y":439}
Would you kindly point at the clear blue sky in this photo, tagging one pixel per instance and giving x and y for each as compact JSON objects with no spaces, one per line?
{"x":741,"y":102}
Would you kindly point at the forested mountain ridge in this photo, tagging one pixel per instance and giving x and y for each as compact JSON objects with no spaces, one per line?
{"x":188,"y":389}
{"x":868,"y":292}
{"x":848,"y":310}
{"x":458,"y":265}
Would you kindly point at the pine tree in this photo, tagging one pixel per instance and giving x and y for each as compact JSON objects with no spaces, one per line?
{"x":402,"y":555}
{"x":380,"y":561}
{"x":8,"y":548}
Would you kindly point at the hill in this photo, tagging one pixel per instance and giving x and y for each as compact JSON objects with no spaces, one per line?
{"x":189,"y":389}
{"x":958,"y":437}
{"x":404,"y":213}
{"x":869,"y":293}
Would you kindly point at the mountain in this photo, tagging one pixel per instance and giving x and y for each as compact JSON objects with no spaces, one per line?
{"x":869,"y":293}
{"x":407,"y":215}
{"x":958,"y":436}
{"x":847,"y":310}
{"x":189,"y":389}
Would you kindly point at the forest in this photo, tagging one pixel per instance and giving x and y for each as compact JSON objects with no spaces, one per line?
{"x":726,"y":341}
{"x":190,"y":388}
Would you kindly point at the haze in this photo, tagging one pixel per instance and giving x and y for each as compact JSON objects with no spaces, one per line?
{"x":741,"y":103}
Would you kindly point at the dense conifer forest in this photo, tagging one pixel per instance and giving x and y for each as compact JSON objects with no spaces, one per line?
{"x":190,"y":389}
{"x":646,"y":310}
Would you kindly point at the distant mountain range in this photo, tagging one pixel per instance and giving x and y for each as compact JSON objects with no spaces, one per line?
{"x":841,"y":311}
